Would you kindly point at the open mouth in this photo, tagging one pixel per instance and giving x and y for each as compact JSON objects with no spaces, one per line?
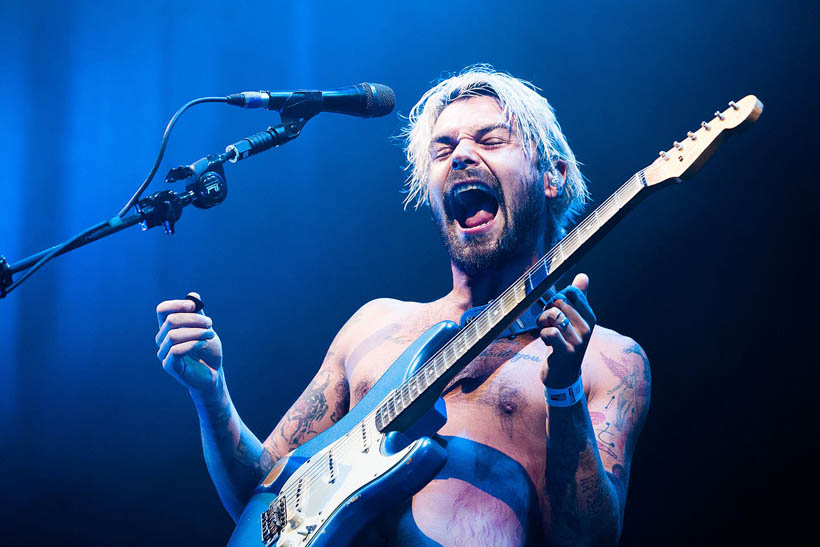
{"x":473,"y":204}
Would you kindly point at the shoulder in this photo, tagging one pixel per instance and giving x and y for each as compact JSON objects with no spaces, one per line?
{"x":372,"y":316}
{"x":381,"y":310}
{"x":613,"y":359}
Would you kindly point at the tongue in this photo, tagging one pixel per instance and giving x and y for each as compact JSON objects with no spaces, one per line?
{"x":482,"y":216}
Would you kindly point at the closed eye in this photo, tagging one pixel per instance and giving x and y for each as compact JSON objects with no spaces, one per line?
{"x":442,"y":152}
{"x":494,"y":141}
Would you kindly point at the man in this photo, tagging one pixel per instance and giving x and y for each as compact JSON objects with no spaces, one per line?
{"x":488,"y":156}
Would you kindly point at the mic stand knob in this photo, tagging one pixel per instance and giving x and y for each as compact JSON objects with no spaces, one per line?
{"x":161,"y":208}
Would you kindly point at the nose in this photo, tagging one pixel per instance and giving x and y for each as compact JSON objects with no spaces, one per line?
{"x":464,"y":155}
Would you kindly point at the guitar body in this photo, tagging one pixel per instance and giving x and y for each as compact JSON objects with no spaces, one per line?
{"x":339,"y":500}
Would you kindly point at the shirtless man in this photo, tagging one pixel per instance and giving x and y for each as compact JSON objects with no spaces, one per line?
{"x":519,"y":472}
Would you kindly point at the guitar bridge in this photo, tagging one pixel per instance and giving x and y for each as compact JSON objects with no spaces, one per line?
{"x":273,"y":520}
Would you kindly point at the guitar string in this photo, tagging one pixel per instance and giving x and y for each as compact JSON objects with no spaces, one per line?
{"x":317,"y":468}
{"x":493,"y":309}
{"x":405,"y":386}
{"x":343,"y":443}
{"x":541,"y":263}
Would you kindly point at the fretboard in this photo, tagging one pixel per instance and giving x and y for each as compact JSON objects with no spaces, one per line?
{"x":479,"y":333}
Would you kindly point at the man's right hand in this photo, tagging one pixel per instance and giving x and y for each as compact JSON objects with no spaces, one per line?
{"x":189,"y":348}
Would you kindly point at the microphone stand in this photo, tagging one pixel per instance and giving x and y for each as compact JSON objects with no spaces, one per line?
{"x":208,"y":189}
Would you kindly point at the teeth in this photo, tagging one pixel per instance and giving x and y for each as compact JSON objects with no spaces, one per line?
{"x":471,"y":186}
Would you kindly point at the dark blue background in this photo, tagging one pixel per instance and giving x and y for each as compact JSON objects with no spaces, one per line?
{"x":712,"y":277}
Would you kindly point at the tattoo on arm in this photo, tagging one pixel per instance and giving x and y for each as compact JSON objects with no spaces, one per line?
{"x":633,"y":386}
{"x":311,"y":407}
{"x":302,"y":422}
{"x":342,"y":400}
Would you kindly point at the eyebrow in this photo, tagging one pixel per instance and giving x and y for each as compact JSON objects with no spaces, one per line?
{"x":445,"y":139}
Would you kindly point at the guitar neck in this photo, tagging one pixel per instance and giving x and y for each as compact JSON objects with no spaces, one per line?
{"x":403,"y":405}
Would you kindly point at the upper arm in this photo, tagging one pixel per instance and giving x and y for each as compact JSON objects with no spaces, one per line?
{"x":618,"y":403}
{"x":327,"y":397}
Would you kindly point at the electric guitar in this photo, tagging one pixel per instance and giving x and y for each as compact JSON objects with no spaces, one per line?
{"x":379,"y":454}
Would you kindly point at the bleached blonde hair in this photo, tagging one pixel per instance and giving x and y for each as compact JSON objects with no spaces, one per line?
{"x":528,"y":113}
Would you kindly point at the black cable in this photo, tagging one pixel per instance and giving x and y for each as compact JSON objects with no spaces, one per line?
{"x":53,"y":253}
{"x":163,"y":144}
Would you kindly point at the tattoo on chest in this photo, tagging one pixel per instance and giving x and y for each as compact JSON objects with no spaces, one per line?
{"x":510,"y":355}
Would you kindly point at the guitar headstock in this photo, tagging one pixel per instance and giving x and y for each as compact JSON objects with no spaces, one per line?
{"x":687,"y":156}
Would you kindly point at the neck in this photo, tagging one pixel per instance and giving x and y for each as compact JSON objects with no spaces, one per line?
{"x":470,"y":291}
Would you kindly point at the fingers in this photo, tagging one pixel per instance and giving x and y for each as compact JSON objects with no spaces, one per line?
{"x":164,"y":309}
{"x":554,"y":338}
{"x":578,"y":300}
{"x":180,"y":320}
{"x":562,"y":317}
{"x":568,"y":320}
{"x":581,"y":282}
{"x":176,"y":356}
{"x":197,"y":300}
{"x":180,"y":337}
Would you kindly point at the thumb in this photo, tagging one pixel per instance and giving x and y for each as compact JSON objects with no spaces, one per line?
{"x":581,"y":282}
{"x":197,"y":300}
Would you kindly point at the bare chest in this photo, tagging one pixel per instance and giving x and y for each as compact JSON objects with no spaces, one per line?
{"x":497,"y":400}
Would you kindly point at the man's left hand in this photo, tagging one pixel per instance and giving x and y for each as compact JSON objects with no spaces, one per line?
{"x":566,"y":326}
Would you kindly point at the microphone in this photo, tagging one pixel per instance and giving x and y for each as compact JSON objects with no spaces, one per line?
{"x":364,"y":100}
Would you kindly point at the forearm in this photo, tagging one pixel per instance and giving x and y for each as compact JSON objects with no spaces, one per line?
{"x":584,"y":504}
{"x":235,"y":458}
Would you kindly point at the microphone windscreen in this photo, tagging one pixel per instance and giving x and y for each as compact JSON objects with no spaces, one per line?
{"x":380,"y":100}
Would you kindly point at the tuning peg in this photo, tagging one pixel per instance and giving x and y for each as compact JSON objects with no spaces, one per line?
{"x":663,"y":154}
{"x":733,"y":105}
{"x":705,"y":125}
{"x":677,"y":145}
{"x":719,"y":115}
{"x":691,"y":135}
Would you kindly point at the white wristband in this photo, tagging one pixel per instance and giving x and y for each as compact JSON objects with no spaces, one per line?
{"x":567,"y":396}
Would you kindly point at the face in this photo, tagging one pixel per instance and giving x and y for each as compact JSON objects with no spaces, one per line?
{"x":487,"y":197}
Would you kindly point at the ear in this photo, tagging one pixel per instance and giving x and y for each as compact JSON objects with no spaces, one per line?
{"x":554,"y":179}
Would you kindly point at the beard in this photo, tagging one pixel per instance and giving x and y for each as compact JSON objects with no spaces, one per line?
{"x":525,"y":221}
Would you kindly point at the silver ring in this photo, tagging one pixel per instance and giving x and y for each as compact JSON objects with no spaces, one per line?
{"x":563,"y":324}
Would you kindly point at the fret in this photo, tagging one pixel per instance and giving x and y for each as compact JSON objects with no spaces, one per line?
{"x":537,"y":277}
{"x":438,"y":367}
{"x":391,"y":406}
{"x":574,"y":240}
{"x":424,"y":377}
{"x":460,"y":345}
{"x":548,"y":265}
{"x":494,"y":313}
{"x":508,"y":301}
{"x":483,"y":324}
{"x":449,"y":355}
{"x":472,"y":332}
